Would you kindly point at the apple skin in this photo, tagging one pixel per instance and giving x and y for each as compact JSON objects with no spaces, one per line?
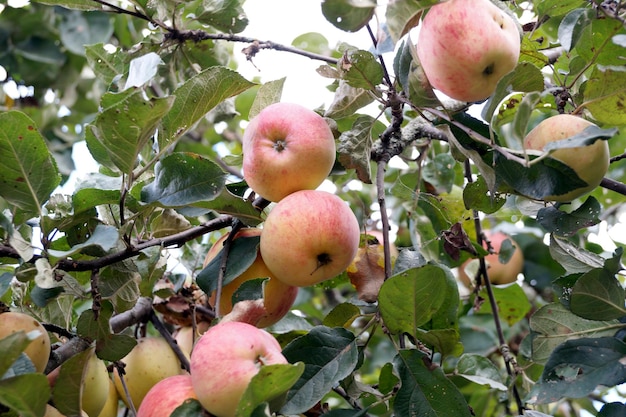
{"x":95,"y":386}
{"x":590,"y":163}
{"x":186,"y":339}
{"x":111,"y":405}
{"x":150,"y":361}
{"x":308,"y":237}
{"x":167,"y":395}
{"x":498,"y":272}
{"x":466,"y":46}
{"x":38,"y":351}
{"x":286,"y":148}
{"x":278,"y":297}
{"x":224,"y":361}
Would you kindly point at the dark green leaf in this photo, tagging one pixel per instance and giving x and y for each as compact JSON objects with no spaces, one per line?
{"x":228,"y":203}
{"x":103,"y":236}
{"x":477,"y":196}
{"x":567,"y":224}
{"x":598,"y":295}
{"x":242,"y":253}
{"x":425,"y":390}
{"x":614,"y":409}
{"x":585,"y":138}
{"x":577,"y":367}
{"x":12,"y":347}
{"x":197,"y":96}
{"x":403,"y":15}
{"x":189,"y":408}
{"x":271,"y":383}
{"x":348,"y":15}
{"x":183,"y":179}
{"x":439,"y":171}
{"x":412,"y":78}
{"x":115,"y":346}
{"x":67,"y":389}
{"x":26,"y":394}
{"x":252,"y":289}
{"x":329,"y":355}
{"x":387,"y":380}
{"x":28,"y":173}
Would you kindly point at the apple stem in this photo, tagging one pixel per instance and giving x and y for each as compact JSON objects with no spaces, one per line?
{"x":280,"y":145}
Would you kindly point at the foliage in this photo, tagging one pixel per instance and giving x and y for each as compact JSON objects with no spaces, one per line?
{"x":154,"y":91}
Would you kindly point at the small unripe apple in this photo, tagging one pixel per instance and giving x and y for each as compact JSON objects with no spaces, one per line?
{"x":278,"y":297}
{"x":589,"y":162}
{"x":38,"y":351}
{"x":308,"y":237}
{"x":166,"y":396}
{"x":146,"y":364}
{"x":95,"y":386}
{"x":466,"y":46}
{"x":287,"y":148}
{"x":225,"y":360}
{"x":111,"y":405}
{"x":498,"y":272}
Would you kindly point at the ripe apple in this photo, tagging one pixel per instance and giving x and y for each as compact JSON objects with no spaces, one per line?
{"x":38,"y":351}
{"x":95,"y":386}
{"x":308,"y":237}
{"x":278,"y":297}
{"x":111,"y":405}
{"x":498,"y":272}
{"x":167,"y":395}
{"x":224,"y":361}
{"x":466,"y":46}
{"x":589,"y":162}
{"x":150,"y":361}
{"x":287,"y":148}
{"x":186,"y":339}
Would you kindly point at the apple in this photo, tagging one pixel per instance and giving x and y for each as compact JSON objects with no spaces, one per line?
{"x":186,"y":338}
{"x":52,"y":412}
{"x":166,"y":396}
{"x":589,"y":162}
{"x":498,"y":272}
{"x":308,"y":237}
{"x":224,"y":361}
{"x":287,"y":148}
{"x":38,"y":351}
{"x":278,"y":297}
{"x":95,"y":386}
{"x":466,"y":46}
{"x":150,"y":361}
{"x":111,"y":405}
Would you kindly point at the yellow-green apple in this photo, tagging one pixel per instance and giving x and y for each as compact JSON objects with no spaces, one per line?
{"x":466,"y":46}
{"x":95,"y":385}
{"x":278,"y":297}
{"x":224,"y":361}
{"x":112,"y":403}
{"x":308,"y":237}
{"x":498,"y":272}
{"x":186,"y":338}
{"x":38,"y":351}
{"x":150,"y":361}
{"x":167,"y":395}
{"x":589,"y":162}
{"x":286,"y":148}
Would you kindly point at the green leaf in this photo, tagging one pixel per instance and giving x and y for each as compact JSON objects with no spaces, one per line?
{"x":614,"y":409}
{"x":439,"y":171}
{"x":570,"y":28}
{"x":360,"y":69}
{"x":412,"y":78}
{"x":103,"y":236}
{"x":182,"y":179}
{"x":107,"y":66}
{"x":403,"y":15}
{"x":242,"y":253}
{"x":196,"y":96}
{"x":347,"y":101}
{"x":554,"y":8}
{"x":28,"y":173}
{"x":125,"y":125}
{"x":228,"y":203}
{"x":414,"y":297}
{"x":598,"y":295}
{"x":271,"y":383}
{"x":348,"y":15}
{"x":329,"y":355}
{"x":12,"y":347}
{"x":269,"y":93}
{"x":477,"y":196}
{"x":225,"y":15}
{"x":252,"y":289}
{"x":604,"y":93}
{"x":567,"y":224}
{"x":577,"y":367}
{"x":115,"y":346}
{"x":355,"y":146}
{"x":67,"y":389}
{"x":595,"y":44}
{"x":73,"y":4}
{"x":425,"y":390}
{"x":573,"y":258}
{"x":189,"y":408}
{"x":481,"y":370}
{"x":26,"y":394}
{"x":387,"y":381}
{"x":511,"y":300}
{"x":78,"y":29}
{"x":342,"y":315}
{"x":120,"y":286}
{"x":553,"y":324}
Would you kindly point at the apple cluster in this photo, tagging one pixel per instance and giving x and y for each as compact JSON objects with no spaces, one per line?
{"x":309,"y":235}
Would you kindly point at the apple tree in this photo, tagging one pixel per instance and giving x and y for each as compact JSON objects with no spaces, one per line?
{"x":107,"y":260}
